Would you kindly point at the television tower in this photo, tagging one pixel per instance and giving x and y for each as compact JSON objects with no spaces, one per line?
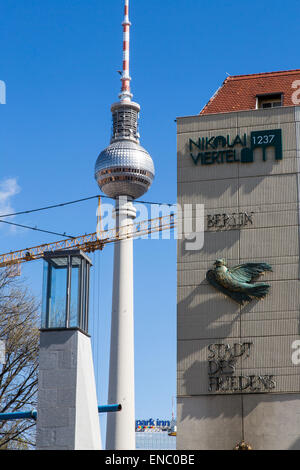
{"x":124,"y":171}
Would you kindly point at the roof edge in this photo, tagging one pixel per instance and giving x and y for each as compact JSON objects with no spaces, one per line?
{"x":262,"y":74}
{"x":239,"y":111}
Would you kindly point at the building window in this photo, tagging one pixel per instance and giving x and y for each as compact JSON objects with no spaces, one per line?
{"x":269,"y":100}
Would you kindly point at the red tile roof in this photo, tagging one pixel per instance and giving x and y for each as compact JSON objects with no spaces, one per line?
{"x":238,"y":92}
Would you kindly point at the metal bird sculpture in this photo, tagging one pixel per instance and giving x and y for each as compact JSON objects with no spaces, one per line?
{"x":236,"y":282}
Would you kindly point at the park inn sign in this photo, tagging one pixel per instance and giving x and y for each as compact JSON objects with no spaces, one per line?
{"x":221,"y":149}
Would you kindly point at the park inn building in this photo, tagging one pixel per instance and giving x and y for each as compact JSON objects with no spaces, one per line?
{"x":238,"y":373}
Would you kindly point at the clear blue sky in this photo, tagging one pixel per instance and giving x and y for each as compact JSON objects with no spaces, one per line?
{"x":59,"y":60}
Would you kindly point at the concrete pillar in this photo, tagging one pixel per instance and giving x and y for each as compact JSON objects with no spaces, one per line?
{"x":120,"y":433}
{"x":67,"y":401}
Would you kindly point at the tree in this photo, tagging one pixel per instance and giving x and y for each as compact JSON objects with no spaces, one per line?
{"x":18,"y":377}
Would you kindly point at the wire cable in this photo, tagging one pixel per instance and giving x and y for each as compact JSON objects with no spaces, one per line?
{"x":37,"y":229}
{"x":49,"y":207}
{"x":62,"y":204}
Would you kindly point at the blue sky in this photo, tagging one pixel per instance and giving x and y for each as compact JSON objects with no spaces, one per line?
{"x":59,"y":60}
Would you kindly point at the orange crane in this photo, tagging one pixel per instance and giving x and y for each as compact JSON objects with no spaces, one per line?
{"x":91,"y":242}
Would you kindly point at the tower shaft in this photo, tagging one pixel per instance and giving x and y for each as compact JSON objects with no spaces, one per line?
{"x":120,"y":434}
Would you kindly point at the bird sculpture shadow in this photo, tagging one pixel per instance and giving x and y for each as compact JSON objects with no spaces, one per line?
{"x":236,"y":282}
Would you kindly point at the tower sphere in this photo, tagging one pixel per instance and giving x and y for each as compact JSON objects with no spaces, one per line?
{"x":124,"y":168}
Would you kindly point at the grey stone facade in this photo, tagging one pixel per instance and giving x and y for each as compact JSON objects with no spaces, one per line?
{"x":67,"y":403}
{"x":269,"y":191}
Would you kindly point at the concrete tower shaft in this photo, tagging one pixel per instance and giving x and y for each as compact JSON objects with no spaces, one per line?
{"x":120,"y":433}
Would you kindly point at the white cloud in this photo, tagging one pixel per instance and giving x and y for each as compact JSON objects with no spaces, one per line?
{"x":8,"y":189}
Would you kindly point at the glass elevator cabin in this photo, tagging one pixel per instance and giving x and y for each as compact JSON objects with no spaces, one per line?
{"x":66,"y":290}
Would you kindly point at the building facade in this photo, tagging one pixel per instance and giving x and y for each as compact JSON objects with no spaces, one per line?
{"x":155,"y":434}
{"x":238,"y":373}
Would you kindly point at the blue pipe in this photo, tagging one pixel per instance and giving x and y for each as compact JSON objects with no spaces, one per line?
{"x":33,"y":413}
{"x":18,"y":415}
{"x":109,"y":408}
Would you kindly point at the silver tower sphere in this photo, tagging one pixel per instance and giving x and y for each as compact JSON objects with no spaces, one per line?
{"x":124,"y":168}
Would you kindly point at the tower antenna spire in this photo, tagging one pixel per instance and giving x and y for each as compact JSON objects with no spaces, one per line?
{"x":125,"y":94}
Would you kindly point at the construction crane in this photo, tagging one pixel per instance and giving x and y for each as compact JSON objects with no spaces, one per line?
{"x":91,"y":242}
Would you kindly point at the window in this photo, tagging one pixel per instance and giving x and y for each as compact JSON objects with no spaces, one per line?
{"x":66,"y":290}
{"x":271,"y":100}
